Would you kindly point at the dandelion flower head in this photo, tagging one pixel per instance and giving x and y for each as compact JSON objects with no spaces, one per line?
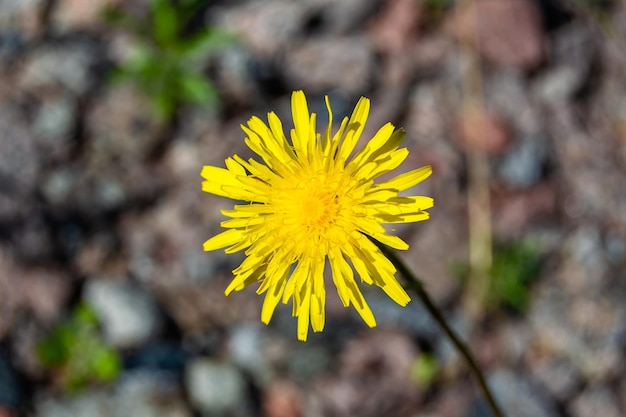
{"x":314,"y":203}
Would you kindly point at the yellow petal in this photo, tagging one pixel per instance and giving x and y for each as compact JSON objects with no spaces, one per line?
{"x":355,"y":128}
{"x":408,"y":179}
{"x":273,"y":296}
{"x":227,"y":238}
{"x":301,"y":122}
{"x":216,"y":178}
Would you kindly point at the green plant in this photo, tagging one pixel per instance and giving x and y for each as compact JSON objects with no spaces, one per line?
{"x":424,"y":370}
{"x":514,"y":266}
{"x":435,"y":10}
{"x":75,"y":351}
{"x":167,"y":60}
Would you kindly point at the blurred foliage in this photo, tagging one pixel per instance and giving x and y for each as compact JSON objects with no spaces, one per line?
{"x":167,"y":59}
{"x":435,"y":10}
{"x":514,"y":266}
{"x":77,"y":353}
{"x":424,"y":370}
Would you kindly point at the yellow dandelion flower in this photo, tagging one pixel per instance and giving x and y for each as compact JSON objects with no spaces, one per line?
{"x":311,"y":202}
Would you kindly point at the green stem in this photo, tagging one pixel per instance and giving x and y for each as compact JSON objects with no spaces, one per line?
{"x":416,"y":285}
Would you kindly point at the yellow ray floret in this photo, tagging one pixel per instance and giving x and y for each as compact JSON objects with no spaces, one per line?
{"x":314,"y":201}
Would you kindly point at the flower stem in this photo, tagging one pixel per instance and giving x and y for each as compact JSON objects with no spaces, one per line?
{"x":416,"y":285}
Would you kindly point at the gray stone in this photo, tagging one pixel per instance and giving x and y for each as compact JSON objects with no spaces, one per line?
{"x":120,"y":128}
{"x":9,"y":8}
{"x":427,"y":113}
{"x":109,"y":193}
{"x":573,"y":50}
{"x":507,"y":92}
{"x":245,"y":345}
{"x":347,"y":15}
{"x":233,"y":74}
{"x":585,"y":246}
{"x":137,"y":395}
{"x":265,"y":27}
{"x":59,"y":184}
{"x":198,"y":267}
{"x":558,"y":377}
{"x":19,"y":163}
{"x":128,"y":315}
{"x":150,"y":394}
{"x":595,"y":402}
{"x":54,"y":122}
{"x":19,"y":159}
{"x":523,"y":163}
{"x":515,"y":394}
{"x":69,"y":66}
{"x":307,"y":361}
{"x":21,"y":16}
{"x":579,"y":327}
{"x":615,"y":246}
{"x":88,"y":404}
{"x":323,"y":64}
{"x":215,"y":387}
{"x":414,"y":318}
{"x":558,"y":84}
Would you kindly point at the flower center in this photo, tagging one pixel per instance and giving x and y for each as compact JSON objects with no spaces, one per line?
{"x":318,"y":208}
{"x":308,"y":204}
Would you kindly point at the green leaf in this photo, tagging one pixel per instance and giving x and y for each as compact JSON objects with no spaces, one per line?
{"x":166,"y":25}
{"x":197,"y":89}
{"x":424,"y":370}
{"x":205,"y":42}
{"x":77,"y":353}
{"x":106,"y":365}
{"x":163,"y":103}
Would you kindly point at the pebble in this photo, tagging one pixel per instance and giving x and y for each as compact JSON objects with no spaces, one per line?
{"x":88,"y":404}
{"x":413,"y":318}
{"x":11,"y":43}
{"x":129,"y":316}
{"x":596,"y":401}
{"x":557,"y":85}
{"x":509,"y":92}
{"x":22,"y":16}
{"x":150,"y":394}
{"x":246,"y":348}
{"x":522,"y":165}
{"x":234,"y":76}
{"x":215,"y":387}
{"x":54,"y":123}
{"x":59,"y":184}
{"x":109,"y":193}
{"x":138,"y":394}
{"x":120,"y":128}
{"x":323,"y":64}
{"x":305,"y":362}
{"x":266,"y":27}
{"x":340,"y":17}
{"x":69,"y":66}
{"x":584,"y":329}
{"x":19,"y":165}
{"x":19,"y":159}
{"x":515,"y":394}
{"x":558,"y":376}
{"x":75,"y":15}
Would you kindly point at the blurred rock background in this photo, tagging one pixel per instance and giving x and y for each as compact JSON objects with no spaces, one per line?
{"x":109,"y":109}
